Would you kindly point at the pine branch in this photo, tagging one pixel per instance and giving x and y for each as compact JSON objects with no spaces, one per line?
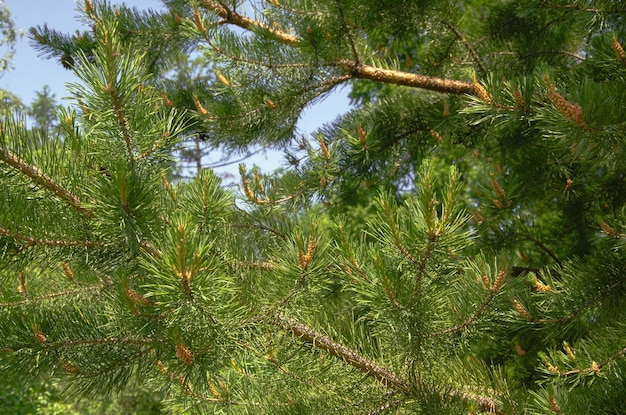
{"x":46,"y":242}
{"x":232,"y":17}
{"x":322,"y":342}
{"x":53,"y":295}
{"x":104,"y":340}
{"x":596,"y":367}
{"x":355,"y":69}
{"x":383,"y":375}
{"x":41,"y":179}
{"x":495,"y":289}
{"x":450,"y":86}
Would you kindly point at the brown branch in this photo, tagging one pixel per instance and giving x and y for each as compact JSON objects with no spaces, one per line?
{"x":471,"y":319}
{"x":356,"y":70}
{"x":354,"y":359}
{"x":450,"y":86}
{"x":232,"y":17}
{"x":51,"y":296}
{"x":105,"y":340}
{"x":596,"y":298}
{"x":123,"y":123}
{"x":543,"y":247}
{"x":48,"y":242}
{"x":42,"y":179}
{"x":383,"y":375}
{"x":598,"y":366}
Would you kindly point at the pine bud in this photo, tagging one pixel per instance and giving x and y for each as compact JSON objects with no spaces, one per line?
{"x":608,"y":229}
{"x":362,"y":137}
{"x":323,"y":181}
{"x":325,"y":153}
{"x":305,"y":260}
{"x":541,"y":287}
{"x":184,"y":354}
{"x":519,"y":99}
{"x":568,"y":351}
{"x":137,"y":297}
{"x":225,"y":80}
{"x":199,"y":107}
{"x":198,"y":21}
{"x":570,"y":111}
{"x":162,"y":367}
{"x":166,"y":100}
{"x":595,"y":368}
{"x":568,"y":184}
{"x":246,"y":187}
{"x":88,"y":7}
{"x":481,"y":92}
{"x":554,"y":406}
{"x":68,"y":271}
{"x":22,"y":286}
{"x":497,"y":284}
{"x":486,"y":281}
{"x":39,"y":336}
{"x":270,"y":103}
{"x":436,"y":135}
{"x":497,"y":188}
{"x":619,"y":51}
{"x":446,"y":109}
{"x":214,"y":390}
{"x":521,"y":310}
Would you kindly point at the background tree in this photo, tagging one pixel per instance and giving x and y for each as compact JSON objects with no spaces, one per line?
{"x":454,"y":244}
{"x":43,"y":110}
{"x":9,"y":36}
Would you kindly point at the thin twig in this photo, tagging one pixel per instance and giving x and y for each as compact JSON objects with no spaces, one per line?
{"x":47,"y":242}
{"x":51,"y":296}
{"x":469,"y":47}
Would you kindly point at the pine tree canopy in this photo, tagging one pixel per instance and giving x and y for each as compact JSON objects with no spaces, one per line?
{"x":453,"y":244}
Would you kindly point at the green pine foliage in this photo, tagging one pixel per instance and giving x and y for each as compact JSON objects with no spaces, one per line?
{"x":453,"y":244}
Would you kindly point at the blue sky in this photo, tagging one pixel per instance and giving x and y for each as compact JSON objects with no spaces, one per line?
{"x":31,"y":72}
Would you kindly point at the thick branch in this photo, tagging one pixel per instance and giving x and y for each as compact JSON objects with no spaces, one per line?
{"x":356,"y":69}
{"x":41,"y":179}
{"x":232,"y":17}
{"x":451,"y":86}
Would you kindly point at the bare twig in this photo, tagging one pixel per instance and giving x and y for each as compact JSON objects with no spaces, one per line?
{"x":469,"y":47}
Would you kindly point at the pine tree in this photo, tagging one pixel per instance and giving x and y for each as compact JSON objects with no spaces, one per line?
{"x":455,"y":244}
{"x":43,"y":110}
